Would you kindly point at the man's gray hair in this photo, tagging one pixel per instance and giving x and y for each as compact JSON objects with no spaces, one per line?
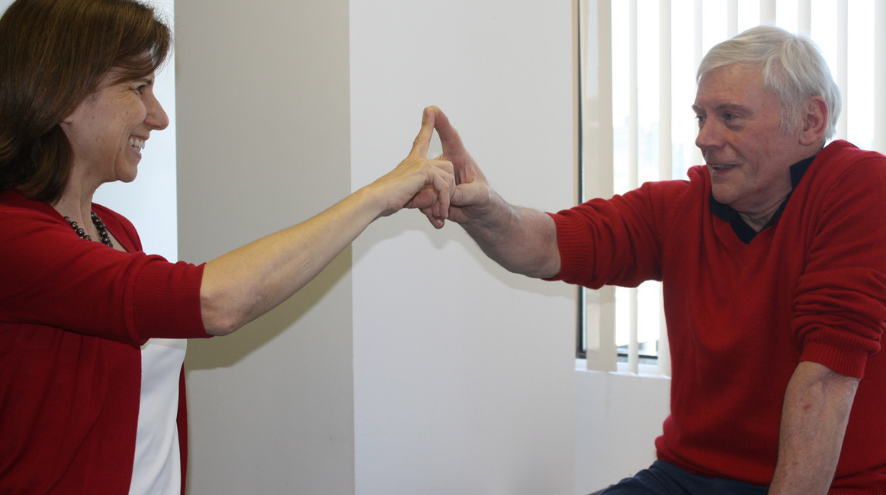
{"x":792,"y":65}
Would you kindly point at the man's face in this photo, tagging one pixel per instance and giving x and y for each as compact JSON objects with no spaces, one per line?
{"x":739,"y":133}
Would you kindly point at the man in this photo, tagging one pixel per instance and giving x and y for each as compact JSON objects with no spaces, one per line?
{"x":773,"y":263}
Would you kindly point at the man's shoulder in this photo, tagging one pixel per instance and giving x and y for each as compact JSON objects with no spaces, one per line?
{"x":696,"y":185}
{"x":843,"y":163}
{"x":840,"y":155}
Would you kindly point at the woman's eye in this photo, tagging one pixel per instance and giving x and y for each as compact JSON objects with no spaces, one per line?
{"x":140,"y":86}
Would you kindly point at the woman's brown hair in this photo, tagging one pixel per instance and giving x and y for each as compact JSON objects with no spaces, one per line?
{"x":54,"y":54}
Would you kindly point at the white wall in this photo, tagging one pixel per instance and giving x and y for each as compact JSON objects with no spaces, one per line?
{"x":263,"y":112}
{"x":463,"y":372}
{"x":425,"y":369}
{"x":618,"y":417}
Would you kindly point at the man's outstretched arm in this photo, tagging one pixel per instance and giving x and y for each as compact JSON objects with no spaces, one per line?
{"x":522,"y":240}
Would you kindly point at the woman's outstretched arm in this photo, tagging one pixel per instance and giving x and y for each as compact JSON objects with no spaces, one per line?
{"x":244,"y":284}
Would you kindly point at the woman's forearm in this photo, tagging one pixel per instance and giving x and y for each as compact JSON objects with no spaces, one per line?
{"x":244,"y":284}
{"x":248,"y":282}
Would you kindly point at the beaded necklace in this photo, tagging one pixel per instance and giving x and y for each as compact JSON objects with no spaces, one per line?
{"x":99,"y":225}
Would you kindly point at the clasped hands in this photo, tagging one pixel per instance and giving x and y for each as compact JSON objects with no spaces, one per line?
{"x":450,"y":186}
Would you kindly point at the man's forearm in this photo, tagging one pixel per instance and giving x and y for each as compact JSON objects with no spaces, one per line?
{"x":522,"y":240}
{"x":816,"y":412}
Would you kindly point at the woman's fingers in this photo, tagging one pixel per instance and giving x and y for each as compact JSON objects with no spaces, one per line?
{"x":423,"y":140}
{"x":436,"y":192}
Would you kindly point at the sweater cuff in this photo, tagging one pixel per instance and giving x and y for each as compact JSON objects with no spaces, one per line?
{"x":572,"y":245}
{"x":848,"y":362}
{"x":165,"y":301}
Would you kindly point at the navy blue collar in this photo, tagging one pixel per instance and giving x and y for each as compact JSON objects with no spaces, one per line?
{"x":744,"y":231}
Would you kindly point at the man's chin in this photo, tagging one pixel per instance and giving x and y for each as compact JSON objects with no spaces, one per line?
{"x":723,"y":194}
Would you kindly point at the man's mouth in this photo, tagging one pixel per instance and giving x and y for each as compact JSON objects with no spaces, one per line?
{"x":137,"y":143}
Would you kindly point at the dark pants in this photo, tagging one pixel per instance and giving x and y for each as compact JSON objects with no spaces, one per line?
{"x":663,"y":478}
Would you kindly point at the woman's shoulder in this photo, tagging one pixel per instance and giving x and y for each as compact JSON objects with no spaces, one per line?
{"x":20,"y":212}
{"x":23,"y":216}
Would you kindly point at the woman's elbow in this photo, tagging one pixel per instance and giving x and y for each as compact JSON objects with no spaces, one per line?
{"x":219,"y":327}
{"x":220,"y":318}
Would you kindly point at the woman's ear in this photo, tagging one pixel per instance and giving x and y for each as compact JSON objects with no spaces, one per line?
{"x":71,"y":116}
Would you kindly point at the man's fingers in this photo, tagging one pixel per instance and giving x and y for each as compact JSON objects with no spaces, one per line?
{"x":449,"y":137}
{"x":436,"y":222}
{"x":443,"y":184}
{"x":423,"y":140}
{"x":467,"y":194}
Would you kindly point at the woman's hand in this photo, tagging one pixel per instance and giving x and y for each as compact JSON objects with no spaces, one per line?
{"x":247,"y":282}
{"x":418,"y":182}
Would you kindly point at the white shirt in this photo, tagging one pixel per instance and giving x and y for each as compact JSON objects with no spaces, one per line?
{"x":157,"y":466}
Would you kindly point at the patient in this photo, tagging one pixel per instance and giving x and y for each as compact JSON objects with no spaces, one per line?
{"x":773,"y":263}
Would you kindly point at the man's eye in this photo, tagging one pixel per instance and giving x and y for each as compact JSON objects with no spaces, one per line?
{"x":728,"y":116}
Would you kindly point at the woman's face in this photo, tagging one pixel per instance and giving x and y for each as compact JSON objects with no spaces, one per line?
{"x":109,"y":129}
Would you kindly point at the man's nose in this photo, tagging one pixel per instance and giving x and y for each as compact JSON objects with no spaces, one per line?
{"x":710,"y":136}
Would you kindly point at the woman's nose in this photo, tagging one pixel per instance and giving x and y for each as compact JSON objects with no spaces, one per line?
{"x":156,"y":118}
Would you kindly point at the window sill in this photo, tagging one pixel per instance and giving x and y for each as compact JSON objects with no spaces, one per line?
{"x":644,"y":370}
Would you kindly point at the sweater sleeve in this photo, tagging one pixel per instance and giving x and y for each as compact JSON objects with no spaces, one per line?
{"x":617,"y":241}
{"x":52,"y":277}
{"x":840,"y":303}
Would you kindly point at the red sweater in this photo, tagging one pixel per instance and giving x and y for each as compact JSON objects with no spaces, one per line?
{"x":740,"y":317}
{"x":73,"y":315}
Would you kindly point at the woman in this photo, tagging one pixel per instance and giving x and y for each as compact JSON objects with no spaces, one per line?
{"x":78,"y":298}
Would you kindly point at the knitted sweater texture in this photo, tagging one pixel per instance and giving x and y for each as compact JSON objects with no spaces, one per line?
{"x":741,"y":317}
{"x":73,"y":315}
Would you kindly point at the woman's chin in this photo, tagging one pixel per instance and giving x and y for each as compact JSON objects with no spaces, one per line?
{"x":128,"y":176}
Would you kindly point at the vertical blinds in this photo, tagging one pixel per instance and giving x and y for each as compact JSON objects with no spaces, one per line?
{"x":637,"y":68}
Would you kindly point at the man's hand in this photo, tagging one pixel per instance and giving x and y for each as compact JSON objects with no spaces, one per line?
{"x":418,"y":182}
{"x":522,"y":240}
{"x":472,"y":197}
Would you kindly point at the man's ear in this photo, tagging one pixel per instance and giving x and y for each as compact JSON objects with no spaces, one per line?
{"x":814,"y":121}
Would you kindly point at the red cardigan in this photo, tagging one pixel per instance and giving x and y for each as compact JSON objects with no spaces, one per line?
{"x":73,"y":315}
{"x":740,"y":317}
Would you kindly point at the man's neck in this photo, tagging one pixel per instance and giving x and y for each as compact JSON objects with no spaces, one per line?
{"x":758,"y":220}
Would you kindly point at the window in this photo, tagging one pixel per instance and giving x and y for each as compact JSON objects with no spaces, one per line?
{"x":637,"y":64}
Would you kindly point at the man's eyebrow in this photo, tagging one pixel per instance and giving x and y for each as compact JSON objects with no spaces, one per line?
{"x":723,"y":106}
